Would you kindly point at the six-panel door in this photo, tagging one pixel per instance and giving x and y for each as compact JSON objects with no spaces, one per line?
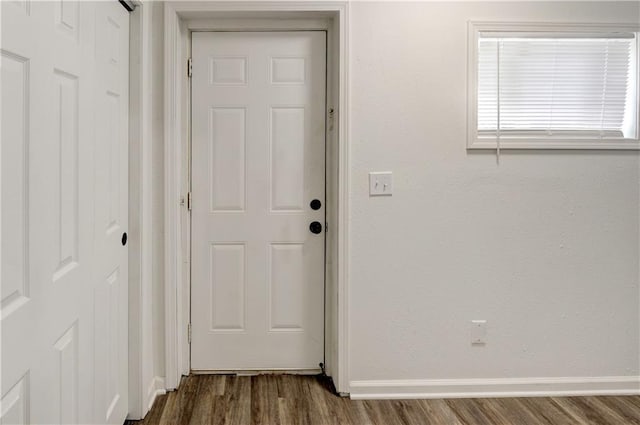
{"x":64,"y":74}
{"x":258,"y":161}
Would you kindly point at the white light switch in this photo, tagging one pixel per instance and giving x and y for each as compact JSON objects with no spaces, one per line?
{"x":381,"y":183}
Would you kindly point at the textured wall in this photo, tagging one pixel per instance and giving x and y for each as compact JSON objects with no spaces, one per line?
{"x":544,"y":246}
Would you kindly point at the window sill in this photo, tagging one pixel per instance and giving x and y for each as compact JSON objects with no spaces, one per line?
{"x":475,"y":143}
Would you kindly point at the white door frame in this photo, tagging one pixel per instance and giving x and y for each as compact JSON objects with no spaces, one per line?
{"x":144,"y":386}
{"x":180,"y":19}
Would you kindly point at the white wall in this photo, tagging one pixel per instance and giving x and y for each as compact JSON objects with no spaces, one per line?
{"x":544,"y":246}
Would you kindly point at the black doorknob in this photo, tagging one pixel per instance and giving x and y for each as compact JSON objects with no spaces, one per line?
{"x":124,"y":238}
{"x":315,"y":204}
{"x":315,"y":227}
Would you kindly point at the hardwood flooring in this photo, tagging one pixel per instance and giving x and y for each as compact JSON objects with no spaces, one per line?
{"x":292,"y":400}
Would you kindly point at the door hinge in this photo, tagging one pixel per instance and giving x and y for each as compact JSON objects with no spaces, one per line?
{"x":189,"y":67}
{"x":189,"y":201}
{"x":189,"y":332}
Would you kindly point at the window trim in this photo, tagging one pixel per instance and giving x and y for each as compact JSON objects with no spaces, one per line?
{"x":476,"y":141}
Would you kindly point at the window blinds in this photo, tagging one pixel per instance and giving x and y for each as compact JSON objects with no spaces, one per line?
{"x":550,"y":85}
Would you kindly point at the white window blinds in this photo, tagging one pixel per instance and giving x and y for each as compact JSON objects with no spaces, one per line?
{"x":556,"y":85}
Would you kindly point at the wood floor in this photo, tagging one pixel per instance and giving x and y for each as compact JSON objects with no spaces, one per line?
{"x":289,"y":400}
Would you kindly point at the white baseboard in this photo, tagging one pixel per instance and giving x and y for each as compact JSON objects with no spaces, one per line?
{"x":155,"y":388}
{"x":504,"y":387}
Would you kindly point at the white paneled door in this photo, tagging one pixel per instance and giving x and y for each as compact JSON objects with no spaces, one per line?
{"x":64,"y":153}
{"x":258,"y":210}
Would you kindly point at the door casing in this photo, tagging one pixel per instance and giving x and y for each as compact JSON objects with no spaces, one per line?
{"x":180,"y":21}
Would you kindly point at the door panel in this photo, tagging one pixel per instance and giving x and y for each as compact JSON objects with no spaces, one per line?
{"x":228,"y":191}
{"x":286,"y":294}
{"x":258,"y":152}
{"x":228,"y":287}
{"x":287,"y":159}
{"x":52,"y":128}
{"x":15,"y":165}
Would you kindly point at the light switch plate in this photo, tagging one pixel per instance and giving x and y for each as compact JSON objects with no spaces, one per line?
{"x":381,"y":183}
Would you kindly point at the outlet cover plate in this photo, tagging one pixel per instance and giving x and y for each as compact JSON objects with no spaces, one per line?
{"x":478,"y":332}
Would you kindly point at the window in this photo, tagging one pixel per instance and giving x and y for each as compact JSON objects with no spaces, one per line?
{"x":553,"y":86}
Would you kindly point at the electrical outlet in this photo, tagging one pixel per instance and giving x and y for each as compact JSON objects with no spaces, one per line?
{"x":478,"y":332}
